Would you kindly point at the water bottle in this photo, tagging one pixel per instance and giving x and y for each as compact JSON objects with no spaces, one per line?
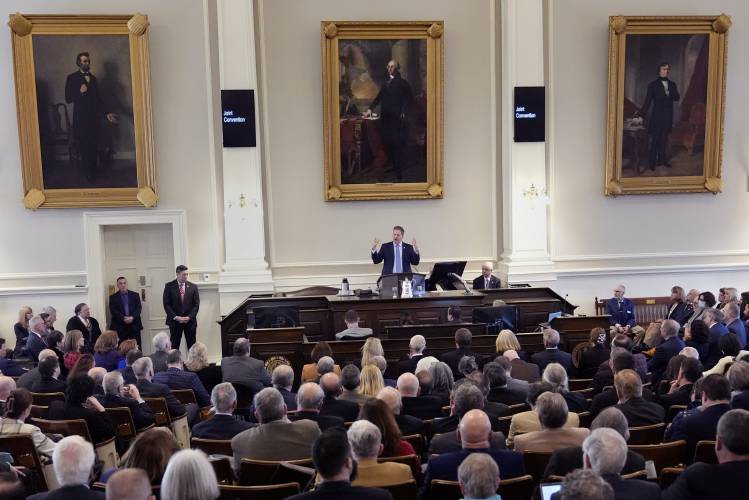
{"x":344,"y":286}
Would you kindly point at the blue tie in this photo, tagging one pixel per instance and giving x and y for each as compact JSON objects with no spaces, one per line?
{"x":398,"y":260}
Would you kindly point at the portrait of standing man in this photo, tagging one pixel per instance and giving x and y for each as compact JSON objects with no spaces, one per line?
{"x":661,"y":95}
{"x":181,"y":304}
{"x":125,"y":309}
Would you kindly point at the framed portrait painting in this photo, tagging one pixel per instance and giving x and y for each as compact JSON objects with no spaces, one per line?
{"x":382,"y":109}
{"x":666,"y":100}
{"x":83,"y":100}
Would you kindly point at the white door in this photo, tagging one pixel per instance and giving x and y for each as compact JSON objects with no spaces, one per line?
{"x":144,"y":254}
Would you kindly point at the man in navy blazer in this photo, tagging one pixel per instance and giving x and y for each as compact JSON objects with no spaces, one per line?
{"x":389,"y":252}
{"x":551,"y":352}
{"x":716,"y":329}
{"x":621,"y":310}
{"x":36,"y":341}
{"x":734,"y":323}
{"x":125,"y":309}
{"x":223,"y":425}
{"x":181,"y":304}
{"x":670,"y":347}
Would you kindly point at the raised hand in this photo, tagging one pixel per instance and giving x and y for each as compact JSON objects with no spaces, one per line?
{"x":415,"y":245}
{"x":375,"y":243}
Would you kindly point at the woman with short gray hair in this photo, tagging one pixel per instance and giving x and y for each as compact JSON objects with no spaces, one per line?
{"x":556,"y":375}
{"x":478,"y":476}
{"x":442,"y":381}
{"x":189,"y":476}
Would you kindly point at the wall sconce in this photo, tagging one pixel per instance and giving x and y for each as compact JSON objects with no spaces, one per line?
{"x":532,"y":193}
{"x":242,"y":201}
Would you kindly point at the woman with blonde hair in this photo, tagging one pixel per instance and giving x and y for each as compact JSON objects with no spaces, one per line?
{"x":106,"y":353}
{"x":507,"y":341}
{"x":22,"y":329}
{"x":371,"y":381}
{"x":72,"y":344}
{"x":197,"y":362}
{"x":372,"y":347}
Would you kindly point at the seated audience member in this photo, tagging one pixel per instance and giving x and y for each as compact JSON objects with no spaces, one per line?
{"x":127,"y":373}
{"x":350,"y":380}
{"x":528,"y":421}
{"x":72,"y":346}
{"x":621,"y":311}
{"x":378,"y":412}
{"x":222,"y":425}
{"x":282,"y":379}
{"x":598,"y":352}
{"x":622,"y":360}
{"x":118,"y":395}
{"x":324,"y":365}
{"x":276,"y":438}
{"x":240,"y":368}
{"x":97,"y":374}
{"x":35,"y":342}
{"x":372,"y":347}
{"x":407,"y":424}
{"x":733,"y":322}
{"x":150,"y":451}
{"x":442,"y":381}
{"x":680,"y":392}
{"x":738,"y":378}
{"x":696,"y":335}
{"x":520,"y":385}
{"x":702,"y":425}
{"x":426,"y":382}
{"x":584,"y":484}
{"x":416,"y":347}
{"x":381,"y":363}
{"x":143,"y":369}
{"x":478,"y":477}
{"x":9,"y":367}
{"x":309,"y":371}
{"x":49,"y":370}
{"x":425,"y":363}
{"x":371,"y":381}
{"x":551,"y":352}
{"x":552,"y":414}
{"x":454,"y":314}
{"x":556,"y":375}
{"x":507,"y":341}
{"x":519,"y":369}
{"x":679,"y":310}
{"x":690,"y":352}
{"x":54,"y":341}
{"x":496,"y":380}
{"x":7,"y":385}
{"x":670,"y":375}
{"x":162,"y":344}
{"x":605,"y":451}
{"x":28,"y":379}
{"x":716,"y":330}
{"x":638,"y":411}
{"x":331,"y":386}
{"x":725,"y":480}
{"x":448,"y":441}
{"x":463,"y":339}
{"x":17,"y":411}
{"x":469,"y":369}
{"x":423,"y":407}
{"x":175,"y":377}
{"x":650,"y":339}
{"x":73,"y":461}
{"x":366,"y":445}
{"x":197,"y":362}
{"x":707,"y":299}
{"x":487,"y":280}
{"x":694,"y":302}
{"x":309,"y":399}
{"x":80,"y":403}
{"x":189,"y":476}
{"x":565,"y":460}
{"x":335,"y":464}
{"x":125,"y":347}
{"x":353,"y":331}
{"x":21,"y":330}
{"x":129,"y":484}
{"x":669,"y":348}
{"x":81,"y":367}
{"x":106,"y":352}
{"x":465,"y":397}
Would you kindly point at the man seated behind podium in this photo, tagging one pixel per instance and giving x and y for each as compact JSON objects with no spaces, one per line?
{"x":398,"y":256}
{"x":353,"y":330}
{"x":487,"y":279}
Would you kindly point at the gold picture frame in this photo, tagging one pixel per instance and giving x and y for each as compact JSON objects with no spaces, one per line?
{"x":665,"y":133}
{"x":97,"y":153}
{"x":390,"y":154}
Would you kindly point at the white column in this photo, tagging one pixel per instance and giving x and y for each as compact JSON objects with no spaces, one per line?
{"x":525,"y":235}
{"x":245,"y":269}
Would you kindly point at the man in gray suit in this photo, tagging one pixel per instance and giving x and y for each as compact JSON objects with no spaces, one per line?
{"x":241,"y":368}
{"x":353,"y":330}
{"x":275,"y":439}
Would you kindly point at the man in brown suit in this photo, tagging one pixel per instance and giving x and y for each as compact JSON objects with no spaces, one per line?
{"x":276,"y":438}
{"x":552,"y":413}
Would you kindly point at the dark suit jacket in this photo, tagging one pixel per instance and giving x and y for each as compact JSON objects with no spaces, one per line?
{"x":409,"y":425}
{"x":737,"y":326}
{"x":28,"y":379}
{"x":547,"y":356}
{"x":640,"y":412}
{"x":176,"y":379}
{"x":289,"y":398}
{"x":576,"y":403}
{"x":698,"y":426}
{"x":452,"y":358}
{"x":507,"y":396}
{"x":522,"y":370}
{"x":89,"y":335}
{"x":220,"y":427}
{"x":386,"y":253}
{"x":99,"y":424}
{"x":478,"y":283}
{"x":211,"y":376}
{"x":710,"y":482}
{"x":407,"y":364}
{"x":681,"y":396}
{"x":117,"y":312}
{"x":609,"y":398}
{"x":342,"y":490}
{"x":663,"y":353}
{"x":128,"y":375}
{"x":632,"y":489}
{"x":449,"y":424}
{"x":680,"y":313}
{"x":142,"y":415}
{"x":347,"y":410}
{"x":565,"y":460}
{"x":621,"y":314}
{"x":48,"y":384}
{"x":11,"y":368}
{"x":78,"y":492}
{"x":446,"y":466}
{"x":35,"y":345}
{"x":88,"y":106}
{"x":713,"y":344}
{"x":173,"y":306}
{"x":159,"y":361}
{"x":323,"y":421}
{"x":243,"y":369}
{"x":662,"y":116}
{"x":449,"y":442}
{"x":740,"y":400}
{"x":423,"y":407}
{"x":148,"y":389}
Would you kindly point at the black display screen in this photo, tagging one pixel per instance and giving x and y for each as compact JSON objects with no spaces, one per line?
{"x":530,"y":114}
{"x":238,"y":118}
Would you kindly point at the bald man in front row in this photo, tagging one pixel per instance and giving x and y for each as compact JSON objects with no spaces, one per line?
{"x":487,"y":279}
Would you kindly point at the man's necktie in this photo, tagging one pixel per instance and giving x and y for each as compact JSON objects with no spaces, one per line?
{"x":486,"y":283}
{"x":182,"y":292}
{"x":398,"y":259}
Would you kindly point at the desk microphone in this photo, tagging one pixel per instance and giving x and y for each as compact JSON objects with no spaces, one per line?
{"x":462,"y":281}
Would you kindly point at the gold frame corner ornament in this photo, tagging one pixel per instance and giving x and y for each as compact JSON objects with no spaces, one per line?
{"x":330,"y":34}
{"x":34,"y":199}
{"x":710,"y":181}
{"x":19,"y":24}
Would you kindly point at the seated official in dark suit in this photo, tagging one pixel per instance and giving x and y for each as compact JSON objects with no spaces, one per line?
{"x":143,"y":369}
{"x":670,"y":347}
{"x":702,"y":425}
{"x":487,"y":280}
{"x":605,"y":451}
{"x":335,"y":465}
{"x":423,"y":407}
{"x":398,"y":256}
{"x":621,"y":310}
{"x":176,"y":378}
{"x":407,"y":424}
{"x":36,"y":343}
{"x":463,"y":338}
{"x":680,"y":393}
{"x":241,"y":368}
{"x":118,"y":395}
{"x":80,"y":392}
{"x":416,"y":347}
{"x":49,"y":370}
{"x":353,"y":330}
{"x":734,"y":323}
{"x":73,"y":462}
{"x":551,"y":352}
{"x":309,"y":399}
{"x":282,"y":379}
{"x":727,"y":479}
{"x":637,"y":411}
{"x":331,"y":386}
{"x":496,"y":380}
{"x":222,"y":425}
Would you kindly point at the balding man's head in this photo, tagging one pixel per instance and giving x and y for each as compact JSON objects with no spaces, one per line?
{"x":129,"y":484}
{"x":7,"y":385}
{"x":475,"y":430}
{"x":97,"y":373}
{"x":283,"y":377}
{"x":408,"y":385}
{"x":331,"y":384}
{"x":392,"y":398}
{"x":309,"y":397}
{"x":47,"y":353}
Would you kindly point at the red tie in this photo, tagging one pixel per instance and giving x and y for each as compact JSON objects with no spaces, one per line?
{"x":182,"y":292}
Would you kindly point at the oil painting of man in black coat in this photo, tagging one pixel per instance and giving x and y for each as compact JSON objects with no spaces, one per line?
{"x":661,"y":95}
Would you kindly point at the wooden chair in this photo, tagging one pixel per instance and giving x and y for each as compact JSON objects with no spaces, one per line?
{"x":417,"y":441}
{"x":674,"y":410}
{"x":402,"y":491}
{"x":535,"y":463}
{"x":663,"y":455}
{"x":517,"y":488}
{"x":159,"y":410}
{"x":639,"y":474}
{"x":21,"y":448}
{"x":185,"y":396}
{"x":705,"y":452}
{"x":38,"y":411}
{"x":586,"y":393}
{"x":263,"y":472}
{"x":269,"y":492}
{"x":647,"y":434}
{"x":445,"y":490}
{"x":105,"y":450}
{"x":212,"y":446}
{"x":222,"y":468}
{"x":585,"y":419}
{"x":412,"y":461}
{"x":578,"y":384}
{"x":181,"y":431}
{"x":123,"y":422}
{"x":504,"y":425}
{"x":519,"y":408}
{"x":668,"y":476}
{"x":45,"y":398}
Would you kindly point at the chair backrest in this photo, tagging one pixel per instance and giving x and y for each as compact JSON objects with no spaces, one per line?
{"x":123,"y":422}
{"x":159,"y":410}
{"x":45,"y":398}
{"x":518,"y":408}
{"x":668,"y":476}
{"x":410,"y":460}
{"x":417,"y":441}
{"x":76,"y":427}
{"x":577,"y":384}
{"x":504,"y":424}
{"x":222,"y":468}
{"x":269,"y":492}
{"x":705,"y":452}
{"x":535,"y":463}
{"x":588,"y":392}
{"x":262,"y":472}
{"x":638,"y":474}
{"x":21,"y":448}
{"x":185,"y":396}
{"x":647,"y":434}
{"x":674,"y":410}
{"x":402,"y":491}
{"x":445,"y":490}
{"x":585,"y":419}
{"x":38,"y":411}
{"x":517,"y":488}
{"x":664,"y":454}
{"x":181,"y":431}
{"x":212,"y":446}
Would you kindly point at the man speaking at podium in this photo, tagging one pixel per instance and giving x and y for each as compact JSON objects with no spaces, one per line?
{"x":398,"y":256}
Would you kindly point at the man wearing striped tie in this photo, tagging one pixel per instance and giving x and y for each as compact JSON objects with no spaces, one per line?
{"x":181,"y":304}
{"x":398,"y":256}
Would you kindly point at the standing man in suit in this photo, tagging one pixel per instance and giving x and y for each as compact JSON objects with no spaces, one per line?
{"x":88,"y":326}
{"x":398,"y":256}
{"x":621,"y":310}
{"x":125,"y":309}
{"x":82,"y":90}
{"x":181,"y":304}
{"x":487,"y":279}
{"x":661,"y":95}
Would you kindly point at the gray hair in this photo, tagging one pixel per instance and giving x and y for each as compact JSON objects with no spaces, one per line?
{"x":392,"y":398}
{"x":612,"y":418}
{"x":733,"y":430}
{"x":380,"y":362}
{"x":690,"y":352}
{"x":479,"y":476}
{"x":35,"y":321}
{"x":161,"y":342}
{"x":556,"y":375}
{"x":309,"y":396}
{"x":552,"y":410}
{"x":442,"y":377}
{"x":732,"y":308}
{"x":269,"y":405}
{"x":467,"y":397}
{"x":365,"y":439}
{"x":467,"y":365}
{"x":350,"y":377}
{"x":72,"y":460}
{"x":325,"y":365}
{"x":585,"y":484}
{"x":241,"y":347}
{"x":129,"y":484}
{"x":425,"y":363}
{"x":223,"y":397}
{"x":417,"y":344}
{"x":189,"y":476}
{"x":669,"y":328}
{"x":142,"y":367}
{"x":98,"y":373}
{"x":49,"y":310}
{"x":112,"y":383}
{"x":283,"y":376}
{"x":551,"y":337}
{"x":607,"y":451}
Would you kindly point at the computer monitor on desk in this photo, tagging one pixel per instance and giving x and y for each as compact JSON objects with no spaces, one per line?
{"x":441,"y":275}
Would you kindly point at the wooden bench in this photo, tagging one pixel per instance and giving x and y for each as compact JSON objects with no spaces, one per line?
{"x":647,"y":309}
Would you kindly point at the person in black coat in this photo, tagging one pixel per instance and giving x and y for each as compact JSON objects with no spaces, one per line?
{"x":87,"y":325}
{"x":424,"y":407}
{"x":124,"y":309}
{"x":487,"y":280}
{"x":681,"y":389}
{"x":143,"y":369}
{"x":118,"y":395}
{"x":80,"y":403}
{"x":309,"y":400}
{"x":181,"y":304}
{"x":415,"y":352}
{"x":597,"y":353}
{"x":49,"y":369}
{"x":331,"y":386}
{"x":73,"y":463}
{"x":670,"y":347}
{"x":21,"y":330}
{"x":463,"y":337}
{"x":638,"y":411}
{"x":551,"y":352}
{"x":222,"y":425}
{"x":36,"y":341}
{"x":679,"y":311}
{"x":389,"y":252}
{"x":661,"y":95}
{"x":407,"y":424}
